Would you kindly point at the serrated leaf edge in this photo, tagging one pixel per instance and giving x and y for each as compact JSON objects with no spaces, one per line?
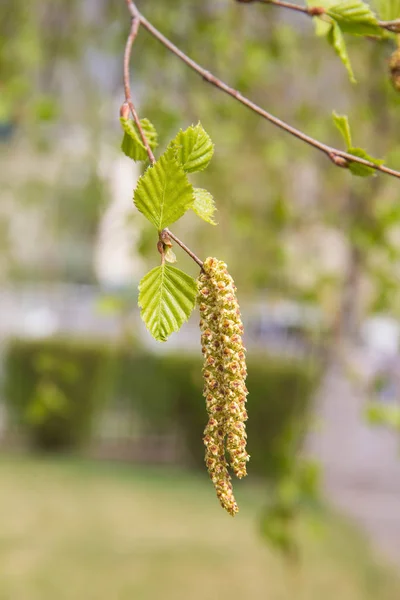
{"x":167,"y":283}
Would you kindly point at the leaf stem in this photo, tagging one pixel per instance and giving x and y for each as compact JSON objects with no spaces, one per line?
{"x":338,"y":157}
{"x":393,"y":26}
{"x":185,"y":248}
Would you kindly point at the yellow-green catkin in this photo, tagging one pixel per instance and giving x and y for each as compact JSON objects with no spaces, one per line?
{"x":224,"y":375}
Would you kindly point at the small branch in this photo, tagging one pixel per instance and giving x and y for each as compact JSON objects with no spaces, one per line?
{"x":312,"y":11}
{"x":128,"y":99}
{"x":392,"y":26}
{"x":317,"y":11}
{"x":338,"y":157}
{"x":185,"y":248}
{"x":127,"y":86}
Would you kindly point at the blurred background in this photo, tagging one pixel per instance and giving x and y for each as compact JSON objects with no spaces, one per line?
{"x":103,"y":489}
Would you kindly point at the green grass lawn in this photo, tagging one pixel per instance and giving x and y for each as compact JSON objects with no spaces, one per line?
{"x":83,"y":531}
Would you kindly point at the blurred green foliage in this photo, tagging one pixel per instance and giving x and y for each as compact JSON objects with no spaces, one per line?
{"x":61,"y":84}
{"x":380,"y":414}
{"x":273,"y":194}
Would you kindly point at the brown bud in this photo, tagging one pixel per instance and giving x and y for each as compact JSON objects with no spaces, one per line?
{"x":164,"y":237}
{"x":124,"y":111}
{"x":316,"y":11}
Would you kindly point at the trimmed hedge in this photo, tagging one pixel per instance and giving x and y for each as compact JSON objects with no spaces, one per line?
{"x":55,"y":388}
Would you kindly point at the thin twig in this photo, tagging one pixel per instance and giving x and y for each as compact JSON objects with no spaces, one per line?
{"x":338,"y":157}
{"x":127,"y":86}
{"x":316,"y":11}
{"x":312,"y":11}
{"x":128,"y":98}
{"x":185,"y":248}
{"x":289,"y":5}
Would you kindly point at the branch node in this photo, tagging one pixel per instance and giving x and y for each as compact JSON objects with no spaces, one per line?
{"x":124,"y":111}
{"x":316,"y":11}
{"x":339,"y":161}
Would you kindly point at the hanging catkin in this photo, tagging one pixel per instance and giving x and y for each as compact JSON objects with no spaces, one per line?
{"x":224,"y":375}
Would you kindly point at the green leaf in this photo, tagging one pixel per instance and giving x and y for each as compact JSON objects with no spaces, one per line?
{"x":322,"y":28}
{"x":356,"y":17}
{"x":194,"y":148}
{"x":204,"y":205}
{"x":389,"y":10}
{"x":336,"y":40}
{"x":132,"y":144}
{"x":342,"y":123}
{"x":163,"y":193}
{"x":167,"y":297}
{"x":363,"y":170}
